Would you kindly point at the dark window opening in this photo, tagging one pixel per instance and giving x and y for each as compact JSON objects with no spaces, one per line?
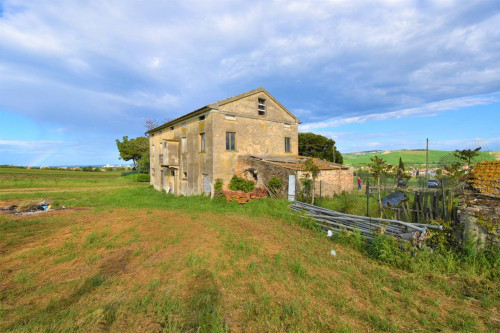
{"x":202,"y":118}
{"x":262,"y":107}
{"x":287,"y":145}
{"x":230,"y":141}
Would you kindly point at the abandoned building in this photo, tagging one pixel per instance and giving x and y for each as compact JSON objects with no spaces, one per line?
{"x":251,"y":135}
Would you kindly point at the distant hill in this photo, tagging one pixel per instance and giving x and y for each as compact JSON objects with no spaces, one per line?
{"x":410,"y":157}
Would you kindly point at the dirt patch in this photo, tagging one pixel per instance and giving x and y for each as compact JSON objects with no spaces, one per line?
{"x":115,"y":263}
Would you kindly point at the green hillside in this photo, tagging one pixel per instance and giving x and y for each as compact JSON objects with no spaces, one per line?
{"x":409,"y":156}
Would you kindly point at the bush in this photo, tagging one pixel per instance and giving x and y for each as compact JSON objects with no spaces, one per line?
{"x":275,"y":182}
{"x":218,"y":184}
{"x":240,"y":184}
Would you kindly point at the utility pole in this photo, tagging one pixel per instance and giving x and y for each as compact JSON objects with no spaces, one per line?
{"x":426,"y":163}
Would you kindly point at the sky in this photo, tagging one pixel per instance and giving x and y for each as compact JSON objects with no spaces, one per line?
{"x":372,"y":75}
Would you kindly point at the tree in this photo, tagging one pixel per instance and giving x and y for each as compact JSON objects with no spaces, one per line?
{"x":315,"y":145}
{"x":150,"y":124}
{"x":400,"y":170}
{"x":134,"y":149}
{"x":379,"y":167}
{"x":313,"y":170}
{"x":467,"y":155}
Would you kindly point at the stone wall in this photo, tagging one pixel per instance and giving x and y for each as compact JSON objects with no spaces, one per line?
{"x":480,"y":220}
{"x":332,"y":182}
{"x":261,"y":172}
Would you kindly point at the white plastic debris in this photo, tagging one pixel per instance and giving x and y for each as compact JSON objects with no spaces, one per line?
{"x":333,"y":253}
{"x":329,"y":233}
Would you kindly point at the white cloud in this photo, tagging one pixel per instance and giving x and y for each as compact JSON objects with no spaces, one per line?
{"x":35,"y":144}
{"x":427,"y":110}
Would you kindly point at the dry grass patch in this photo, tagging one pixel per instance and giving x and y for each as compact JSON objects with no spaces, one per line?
{"x":149,"y":270}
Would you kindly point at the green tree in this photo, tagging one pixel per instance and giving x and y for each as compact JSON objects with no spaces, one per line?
{"x":400,"y":171}
{"x":378,"y":168}
{"x":315,"y":145}
{"x":136,"y":150}
{"x":311,"y":168}
{"x":468,"y":156}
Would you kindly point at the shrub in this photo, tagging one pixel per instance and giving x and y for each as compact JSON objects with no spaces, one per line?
{"x":275,"y":183}
{"x":240,"y":184}
{"x":218,"y":184}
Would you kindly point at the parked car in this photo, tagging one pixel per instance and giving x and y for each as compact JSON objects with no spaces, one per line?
{"x":433,"y":183}
{"x":402,"y":183}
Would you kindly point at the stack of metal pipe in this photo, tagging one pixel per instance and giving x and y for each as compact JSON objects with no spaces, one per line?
{"x":368,"y":227}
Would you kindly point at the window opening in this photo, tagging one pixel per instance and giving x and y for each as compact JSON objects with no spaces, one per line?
{"x":287,"y":145}
{"x":230,"y":141}
{"x":262,"y":107}
{"x":202,"y":142}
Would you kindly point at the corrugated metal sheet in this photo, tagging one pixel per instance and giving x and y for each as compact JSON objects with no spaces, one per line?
{"x":393,"y":199}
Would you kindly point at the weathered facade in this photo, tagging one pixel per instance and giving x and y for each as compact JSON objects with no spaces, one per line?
{"x":332,"y":178}
{"x":189,"y":153}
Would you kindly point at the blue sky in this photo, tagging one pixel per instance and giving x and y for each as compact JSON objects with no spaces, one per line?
{"x":74,"y":76}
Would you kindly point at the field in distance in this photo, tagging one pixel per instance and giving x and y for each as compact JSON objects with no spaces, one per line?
{"x":409,"y":157}
{"x":126,"y":258}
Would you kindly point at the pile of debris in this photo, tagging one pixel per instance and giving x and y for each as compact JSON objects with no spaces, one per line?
{"x":242,"y":198}
{"x":27,"y":209}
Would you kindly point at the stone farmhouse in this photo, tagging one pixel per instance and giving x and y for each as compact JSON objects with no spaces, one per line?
{"x":251,"y":135}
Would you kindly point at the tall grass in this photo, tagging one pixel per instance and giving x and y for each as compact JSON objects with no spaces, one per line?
{"x":465,"y":260}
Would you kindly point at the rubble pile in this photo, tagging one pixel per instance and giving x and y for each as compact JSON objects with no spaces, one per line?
{"x":242,"y":197}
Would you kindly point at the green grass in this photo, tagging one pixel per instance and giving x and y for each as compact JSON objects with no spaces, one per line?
{"x":15,"y":178}
{"x":129,"y":258}
{"x":409,"y":157}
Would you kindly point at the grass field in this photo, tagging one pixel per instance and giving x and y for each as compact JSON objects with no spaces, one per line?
{"x":126,"y":258}
{"x":409,"y":157}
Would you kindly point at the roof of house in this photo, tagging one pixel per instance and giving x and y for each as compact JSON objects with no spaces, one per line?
{"x":295,"y":162}
{"x":216,"y":105}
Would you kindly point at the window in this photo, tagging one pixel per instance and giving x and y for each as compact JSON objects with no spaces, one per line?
{"x":201,"y":117}
{"x":262,"y":107}
{"x":153,"y":152}
{"x":230,"y":141}
{"x":183,"y":145}
{"x":202,"y":142}
{"x":184,"y":175}
{"x":287,"y":145}
{"x":172,"y":128}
